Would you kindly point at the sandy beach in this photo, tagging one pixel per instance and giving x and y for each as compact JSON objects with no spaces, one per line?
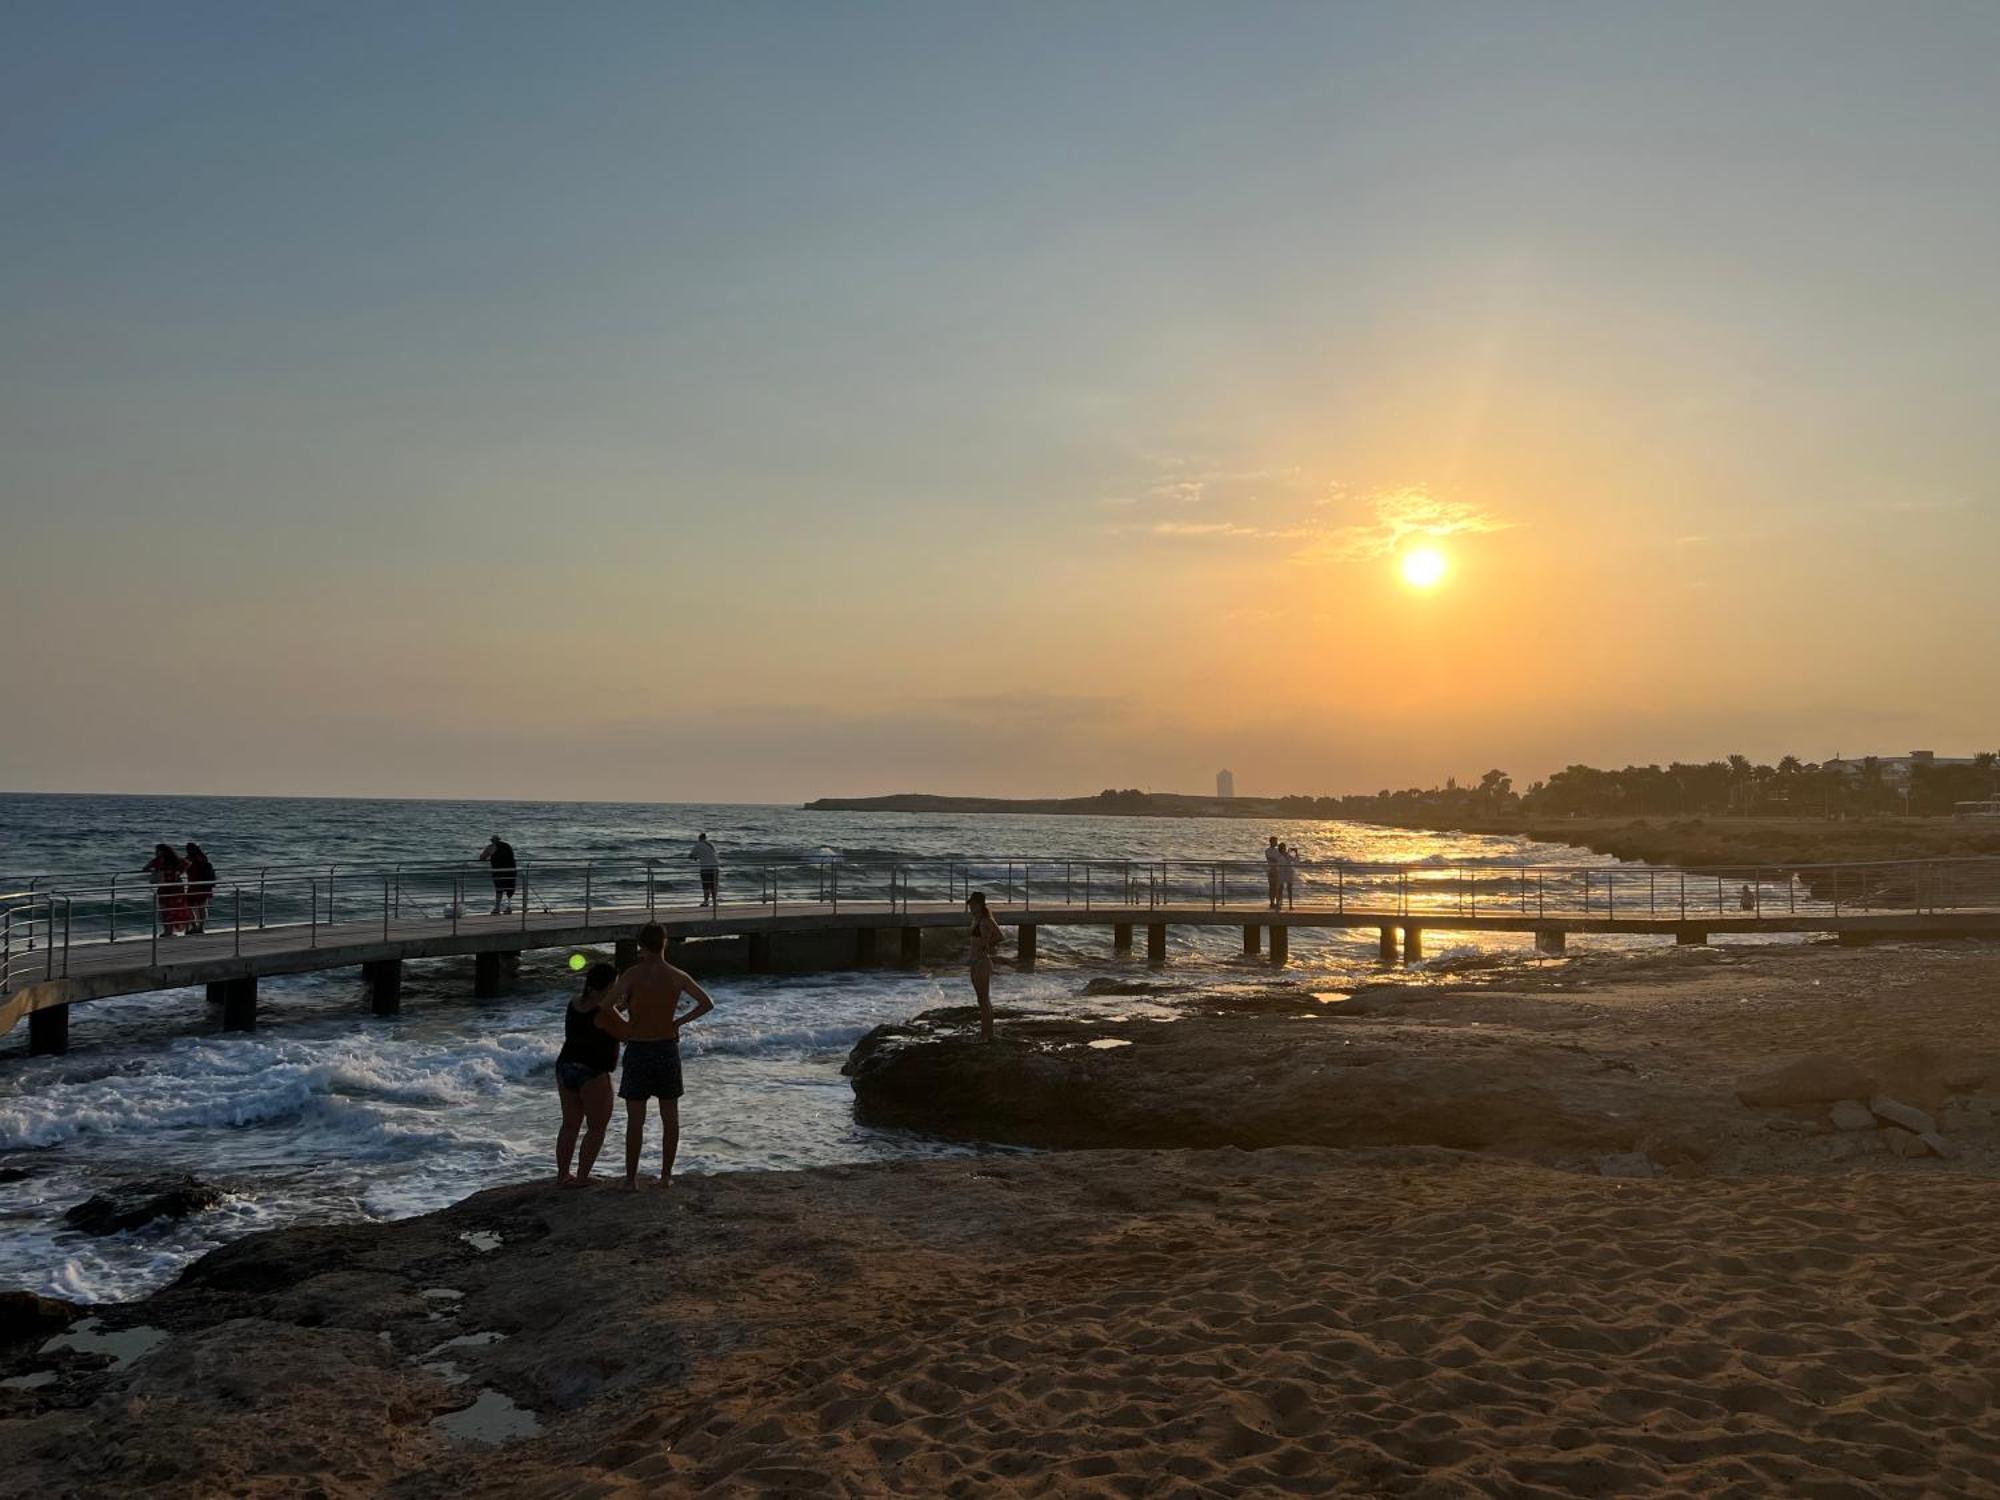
{"x":1777,"y":1305}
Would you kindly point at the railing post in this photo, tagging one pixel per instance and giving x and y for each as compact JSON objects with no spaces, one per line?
{"x":522,"y":894}
{"x":457,"y":898}
{"x":649,"y":890}
{"x":238,"y":890}
{"x":261,"y":873}
{"x":111,"y":917}
{"x":385,"y":908}
{"x":69,"y":913}
{"x":312,"y":900}
{"x":586,"y":901}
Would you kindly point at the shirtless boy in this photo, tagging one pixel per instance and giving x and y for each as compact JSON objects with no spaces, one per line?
{"x":646,"y":1004}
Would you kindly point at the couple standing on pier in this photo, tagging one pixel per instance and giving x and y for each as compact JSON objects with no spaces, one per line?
{"x":1281,"y":863}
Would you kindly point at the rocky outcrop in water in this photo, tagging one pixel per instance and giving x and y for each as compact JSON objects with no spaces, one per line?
{"x":1289,"y":1076}
{"x":137,"y":1204}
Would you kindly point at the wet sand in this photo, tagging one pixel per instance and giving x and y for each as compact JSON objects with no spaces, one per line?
{"x":1784,"y":1315}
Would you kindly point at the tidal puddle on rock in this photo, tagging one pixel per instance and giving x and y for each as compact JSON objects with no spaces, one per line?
{"x":32,"y":1381}
{"x":481,"y":1240}
{"x":123,"y":1345}
{"x":1105,"y":1043}
{"x":468,"y":1341}
{"x":492,"y":1418}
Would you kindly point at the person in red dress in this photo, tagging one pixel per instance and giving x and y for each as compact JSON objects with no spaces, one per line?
{"x":168,"y":875}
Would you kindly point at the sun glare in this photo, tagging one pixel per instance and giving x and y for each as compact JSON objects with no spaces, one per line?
{"x":1423,"y":567}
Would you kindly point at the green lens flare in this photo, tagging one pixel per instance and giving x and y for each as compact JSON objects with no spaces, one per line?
{"x":578,"y":961}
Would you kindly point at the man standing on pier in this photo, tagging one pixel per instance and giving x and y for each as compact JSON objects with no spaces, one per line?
{"x":500,"y":854}
{"x":711,"y":869}
{"x":1274,"y":869}
{"x":643,"y":1011}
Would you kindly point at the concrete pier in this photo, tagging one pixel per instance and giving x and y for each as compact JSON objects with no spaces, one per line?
{"x":1413,"y":944}
{"x":624,"y":954}
{"x":1281,"y":943}
{"x":1156,"y":942}
{"x":384,"y":980}
{"x":48,"y":1031}
{"x":910,"y":946}
{"x":1552,"y":943}
{"x":1690,"y":937}
{"x":1121,"y":937}
{"x":757,"y":953}
{"x":1253,"y":939}
{"x":239,"y":1004}
{"x":1385,"y":945}
{"x":1024,"y":950}
{"x":864,"y":947}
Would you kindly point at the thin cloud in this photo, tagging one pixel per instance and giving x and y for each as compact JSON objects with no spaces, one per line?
{"x":1401,"y":517}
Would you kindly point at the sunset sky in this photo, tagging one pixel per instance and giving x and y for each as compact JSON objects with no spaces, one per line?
{"x":750,"y":401}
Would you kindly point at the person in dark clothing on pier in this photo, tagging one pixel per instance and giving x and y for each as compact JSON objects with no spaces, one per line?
{"x":200,"y":887}
{"x":500,"y":854}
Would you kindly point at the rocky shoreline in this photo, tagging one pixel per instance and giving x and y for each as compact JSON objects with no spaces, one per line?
{"x":1395,"y":1242}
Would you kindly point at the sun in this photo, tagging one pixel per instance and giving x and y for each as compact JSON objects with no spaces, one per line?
{"x":1424,"y":567}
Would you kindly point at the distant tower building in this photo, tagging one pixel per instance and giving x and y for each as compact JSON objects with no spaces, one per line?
{"x":1225,"y":783}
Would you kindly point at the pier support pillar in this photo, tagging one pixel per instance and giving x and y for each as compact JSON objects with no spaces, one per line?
{"x":1121,"y":937}
{"x":1690,"y":937}
{"x":1853,"y":939}
{"x":239,"y":1004}
{"x":1552,"y":943}
{"x":624,"y":953}
{"x":864,"y":947}
{"x":1253,"y":939}
{"x":1024,"y":947}
{"x":1156,"y":942}
{"x":48,"y":1031}
{"x":1385,"y":945}
{"x":910,"y":946}
{"x":1281,"y":943}
{"x":1413,"y":944}
{"x":757,"y":952}
{"x":384,"y":979}
{"x":218,"y":991}
{"x":485,"y":975}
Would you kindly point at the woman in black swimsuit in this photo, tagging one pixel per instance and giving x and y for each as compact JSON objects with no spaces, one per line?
{"x":583,"y":1076}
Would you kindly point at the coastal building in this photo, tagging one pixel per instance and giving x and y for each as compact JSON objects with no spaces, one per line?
{"x":1896,"y":770}
{"x":1225,"y":784}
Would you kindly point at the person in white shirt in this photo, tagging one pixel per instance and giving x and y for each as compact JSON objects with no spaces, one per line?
{"x":1274,"y":856}
{"x":1291,"y":874}
{"x":704,"y":854}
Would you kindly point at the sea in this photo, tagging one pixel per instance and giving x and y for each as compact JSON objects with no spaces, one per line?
{"x":327,"y":1114}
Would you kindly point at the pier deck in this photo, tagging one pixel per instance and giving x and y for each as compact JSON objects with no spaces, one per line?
{"x":65,"y":945}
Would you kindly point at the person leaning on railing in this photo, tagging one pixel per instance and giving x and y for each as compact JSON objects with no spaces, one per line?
{"x":200,"y":886}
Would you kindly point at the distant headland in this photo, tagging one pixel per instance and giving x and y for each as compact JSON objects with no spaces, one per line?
{"x":1125,"y":804}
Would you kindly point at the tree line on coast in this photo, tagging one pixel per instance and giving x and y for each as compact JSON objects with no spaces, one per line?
{"x":1792,"y":788}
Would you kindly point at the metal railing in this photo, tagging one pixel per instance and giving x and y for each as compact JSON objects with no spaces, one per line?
{"x":54,"y":921}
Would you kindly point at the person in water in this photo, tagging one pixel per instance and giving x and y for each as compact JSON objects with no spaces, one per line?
{"x":647,"y":1017}
{"x":583,"y":1075}
{"x":200,"y":886}
{"x":983,"y":944}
